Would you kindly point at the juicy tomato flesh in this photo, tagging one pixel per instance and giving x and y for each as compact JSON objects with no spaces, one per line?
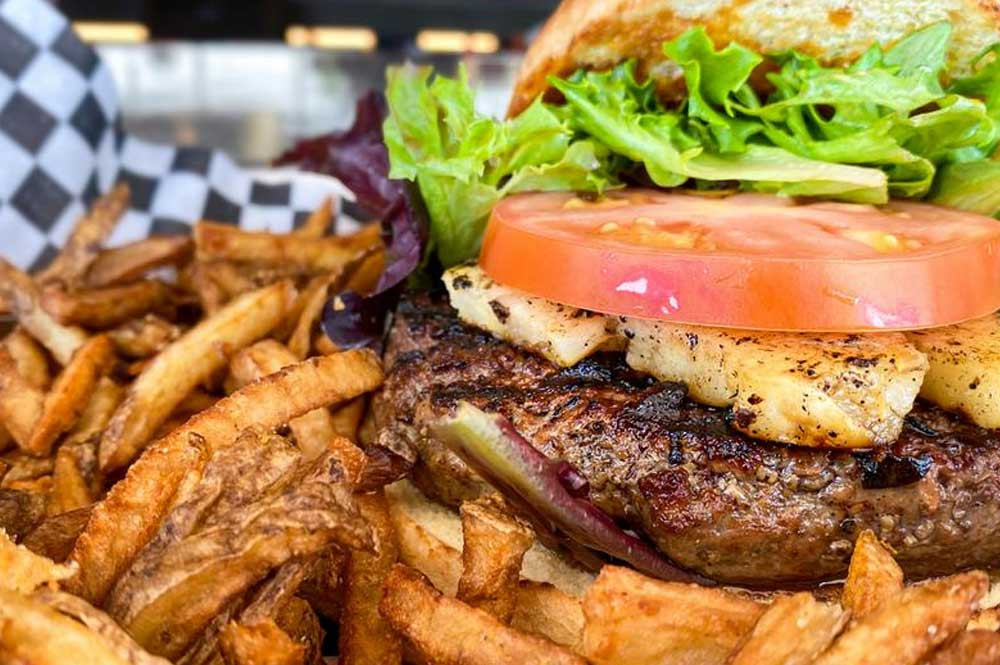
{"x":748,"y":260}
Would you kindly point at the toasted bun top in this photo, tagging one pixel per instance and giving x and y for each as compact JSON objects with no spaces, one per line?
{"x":597,"y":34}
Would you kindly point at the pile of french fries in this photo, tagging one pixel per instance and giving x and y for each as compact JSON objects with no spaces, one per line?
{"x":184,"y":478}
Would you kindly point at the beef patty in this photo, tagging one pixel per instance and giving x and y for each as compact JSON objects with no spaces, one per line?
{"x":734,"y":509}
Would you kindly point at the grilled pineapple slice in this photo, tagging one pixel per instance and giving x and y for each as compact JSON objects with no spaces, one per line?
{"x":964,"y":373}
{"x":844,"y":391}
{"x":563,"y":335}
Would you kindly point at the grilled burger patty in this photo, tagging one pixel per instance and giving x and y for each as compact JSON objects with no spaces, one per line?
{"x":734,"y":509}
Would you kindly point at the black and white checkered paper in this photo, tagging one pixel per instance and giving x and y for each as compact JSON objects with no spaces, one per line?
{"x":61,"y":146}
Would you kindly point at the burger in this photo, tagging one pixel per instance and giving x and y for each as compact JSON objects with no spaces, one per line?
{"x":717,"y":296}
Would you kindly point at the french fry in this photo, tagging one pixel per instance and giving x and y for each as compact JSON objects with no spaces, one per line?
{"x":34,"y":633}
{"x":544,"y":610}
{"x":70,"y":393}
{"x":421,"y":551}
{"x":873,"y":577}
{"x":99,"y":623}
{"x":195,"y":578}
{"x":365,"y":636}
{"x":323,"y":588}
{"x":25,"y":571}
{"x":220,"y":242}
{"x":347,"y":418}
{"x":314,"y":432}
{"x":145,"y":337}
{"x":20,"y":403}
{"x":494,"y":547}
{"x":793,"y":631}
{"x":631,"y":618}
{"x":85,"y":241}
{"x":70,"y":487}
{"x":448,"y":632}
{"x":313,"y":298}
{"x":105,"y":398}
{"x":907,"y":630}
{"x":129,"y":262}
{"x":262,"y":643}
{"x":971,"y":647}
{"x":106,"y":307}
{"x":183,"y":365}
{"x":21,"y":467}
{"x":20,"y":512}
{"x":988,"y":619}
{"x":129,"y":516}
{"x":297,"y":618}
{"x":319,"y":222}
{"x":30,"y":358}
{"x":53,"y":537}
{"x":25,"y":297}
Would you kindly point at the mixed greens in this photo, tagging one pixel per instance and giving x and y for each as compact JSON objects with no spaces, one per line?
{"x":885,"y":126}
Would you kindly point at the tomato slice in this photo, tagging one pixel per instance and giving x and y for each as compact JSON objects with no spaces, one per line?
{"x":749,"y":261}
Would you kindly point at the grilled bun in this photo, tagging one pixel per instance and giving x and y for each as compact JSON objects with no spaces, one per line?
{"x":598,"y":34}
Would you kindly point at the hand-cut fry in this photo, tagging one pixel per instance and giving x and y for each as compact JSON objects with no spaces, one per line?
{"x":263,"y":643}
{"x":323,"y":588}
{"x":104,"y":400}
{"x":988,"y":619}
{"x":319,"y":222}
{"x":30,"y":358}
{"x":183,"y":365}
{"x":99,"y":623}
{"x":62,"y":341}
{"x":793,"y":631}
{"x":219,"y":242}
{"x":631,"y":618}
{"x":20,"y":512}
{"x":145,"y":337}
{"x":70,"y":393}
{"x":20,"y":402}
{"x":365,"y":278}
{"x":873,"y":577}
{"x":31,"y":632}
{"x":314,"y":432}
{"x":907,"y":630}
{"x":297,"y":618}
{"x":313,"y":298}
{"x":365,"y":636}
{"x":128,"y":262}
{"x":494,"y":547}
{"x":449,"y":632}
{"x":71,"y":487}
{"x":195,"y":578}
{"x":544,"y":610}
{"x":972,"y":647}
{"x":131,"y":513}
{"x":86,"y":239}
{"x":347,"y":418}
{"x":421,"y":551}
{"x":25,"y":571}
{"x":108,"y":306}
{"x":54,"y":536}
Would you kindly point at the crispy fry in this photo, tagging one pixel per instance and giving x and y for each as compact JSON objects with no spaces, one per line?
{"x":30,"y":358}
{"x":31,"y":632}
{"x":104,"y":399}
{"x":319,"y":222}
{"x":421,"y":551}
{"x":219,"y":242}
{"x":195,"y":578}
{"x":347,"y":419}
{"x":905,"y":631}
{"x":108,"y":306}
{"x":20,"y":403}
{"x":988,"y":619}
{"x":183,"y":365}
{"x":873,"y":577}
{"x":21,"y":467}
{"x":54,"y":536}
{"x":25,"y":571}
{"x":448,"y":632}
{"x":145,"y":337}
{"x":972,"y":647}
{"x":20,"y":512}
{"x":263,"y":643}
{"x":314,"y":432}
{"x":793,"y":631}
{"x":313,"y":298}
{"x":494,"y":547}
{"x":365,"y":637}
{"x":323,"y":588}
{"x":71,"y":488}
{"x":544,"y":610}
{"x":366,"y":276}
{"x":62,"y":341}
{"x":631,"y":618}
{"x":131,"y":513}
{"x":70,"y":393}
{"x":128,"y":262}
{"x":324,"y":345}
{"x":297,"y":618}
{"x":85,"y":241}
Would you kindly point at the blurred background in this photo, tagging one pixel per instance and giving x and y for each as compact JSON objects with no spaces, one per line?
{"x":251,"y":76}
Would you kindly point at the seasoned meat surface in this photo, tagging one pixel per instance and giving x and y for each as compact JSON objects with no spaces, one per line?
{"x":737,"y":510}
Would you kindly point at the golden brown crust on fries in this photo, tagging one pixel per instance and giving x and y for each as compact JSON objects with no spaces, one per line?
{"x":597,"y":34}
